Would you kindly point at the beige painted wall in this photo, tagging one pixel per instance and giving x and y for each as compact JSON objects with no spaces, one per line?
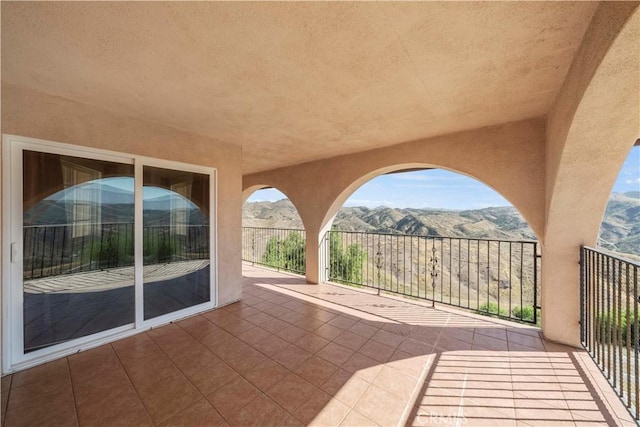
{"x":34,"y":114}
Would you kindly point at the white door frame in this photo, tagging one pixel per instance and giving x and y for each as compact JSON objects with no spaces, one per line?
{"x":13,"y":356}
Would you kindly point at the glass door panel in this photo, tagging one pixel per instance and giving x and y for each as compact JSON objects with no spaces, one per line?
{"x":78,"y":247}
{"x":176,"y":252}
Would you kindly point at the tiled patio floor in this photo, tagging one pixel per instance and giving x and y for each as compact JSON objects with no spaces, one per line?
{"x":297,"y":354}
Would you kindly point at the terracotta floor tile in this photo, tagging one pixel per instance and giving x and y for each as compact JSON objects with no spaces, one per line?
{"x":208,"y":374}
{"x":343,"y":322}
{"x":291,"y":357}
{"x":215,"y":338}
{"x":150,"y":371}
{"x":259,"y":318}
{"x":104,"y":397}
{"x":39,"y":372}
{"x":363,"y":366}
{"x":254,"y":335}
{"x":446,"y":343}
{"x":312,"y":343}
{"x":244,"y":361}
{"x":274,"y":326}
{"x":408,"y":364}
{"x":6,"y":386}
{"x":221,"y":317}
{"x":167,"y":397}
{"x":356,"y":419}
{"x":266,"y":374}
{"x":238,"y":327}
{"x":261,"y":412}
{"x":377,"y":351}
{"x":380,"y":406}
{"x":91,"y":363}
{"x":462,"y":334}
{"x":495,"y":375}
{"x":231,"y":346}
{"x":488,"y":343}
{"x":425,"y":335}
{"x":191,"y":355}
{"x":53,"y":401}
{"x":593,"y":414}
{"x":401,"y":329}
{"x":271,"y":345}
{"x":363,"y":329}
{"x":292,"y":317}
{"x":325,"y":315}
{"x":439,"y":400}
{"x":217,"y":315}
{"x":240,"y":309}
{"x":395,"y":382}
{"x":291,"y":392}
{"x":316,"y":370}
{"x":329,"y":332}
{"x":232,"y":397}
{"x":292,"y":334}
{"x":388,"y":338}
{"x":346,"y":387}
{"x":197,"y":326}
{"x":543,"y":414}
{"x":200,"y":413}
{"x":415,"y":348}
{"x":309,"y":324}
{"x":350,"y":340}
{"x":335,"y":354}
{"x":39,"y":389}
{"x":41,"y":416}
{"x":174,"y":347}
{"x":498,"y":333}
{"x":321,"y":410}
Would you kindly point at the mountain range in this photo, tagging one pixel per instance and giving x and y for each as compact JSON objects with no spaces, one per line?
{"x":620,"y":230}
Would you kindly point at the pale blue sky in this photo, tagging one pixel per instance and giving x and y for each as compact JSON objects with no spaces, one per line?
{"x":438,"y":188}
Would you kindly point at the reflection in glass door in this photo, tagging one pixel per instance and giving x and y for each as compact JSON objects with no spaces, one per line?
{"x":78,"y":247}
{"x":176,"y":249}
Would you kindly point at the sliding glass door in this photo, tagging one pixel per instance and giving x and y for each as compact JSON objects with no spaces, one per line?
{"x":99,"y":245}
{"x":78,"y":257}
{"x":175,"y":240}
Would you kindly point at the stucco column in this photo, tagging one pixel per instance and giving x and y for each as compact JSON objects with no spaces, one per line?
{"x":590,"y":128}
{"x":312,"y":269}
{"x":317,"y":254}
{"x":561,"y":292}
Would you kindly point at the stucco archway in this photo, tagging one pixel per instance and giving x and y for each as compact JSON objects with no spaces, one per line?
{"x":506,"y":158}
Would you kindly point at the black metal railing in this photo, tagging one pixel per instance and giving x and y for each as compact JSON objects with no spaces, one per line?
{"x":280,"y":248}
{"x":495,"y":277}
{"x":609,"y":320}
{"x":51,"y":250}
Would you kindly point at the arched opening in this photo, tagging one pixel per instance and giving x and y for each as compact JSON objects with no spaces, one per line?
{"x":437,"y":235}
{"x":620,"y":228}
{"x":273,"y":234}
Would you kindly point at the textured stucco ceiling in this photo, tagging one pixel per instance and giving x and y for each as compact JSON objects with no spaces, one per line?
{"x":294,"y":82}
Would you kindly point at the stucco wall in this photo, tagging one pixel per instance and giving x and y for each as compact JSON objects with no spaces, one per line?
{"x":509,"y":158}
{"x":34,"y":114}
{"x":591,"y":126}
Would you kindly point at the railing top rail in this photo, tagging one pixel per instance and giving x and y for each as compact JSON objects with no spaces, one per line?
{"x":612,"y":255}
{"x":274,"y":228}
{"x":427,"y":236}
